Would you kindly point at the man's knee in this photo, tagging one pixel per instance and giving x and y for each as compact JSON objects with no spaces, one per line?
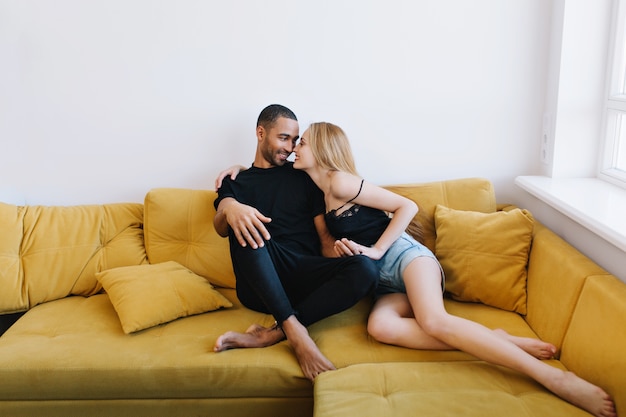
{"x":367,"y":272}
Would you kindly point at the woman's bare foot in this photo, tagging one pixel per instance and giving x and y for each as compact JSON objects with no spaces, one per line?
{"x":538,"y":348}
{"x":311,"y":360}
{"x":256,"y":336}
{"x":583,"y":394}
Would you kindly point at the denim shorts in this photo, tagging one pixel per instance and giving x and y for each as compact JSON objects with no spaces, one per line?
{"x":396,"y":259}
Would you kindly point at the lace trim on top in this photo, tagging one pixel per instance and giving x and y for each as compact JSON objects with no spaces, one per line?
{"x":350,"y":211}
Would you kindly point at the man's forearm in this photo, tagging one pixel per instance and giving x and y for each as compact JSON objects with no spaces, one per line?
{"x":219,"y":221}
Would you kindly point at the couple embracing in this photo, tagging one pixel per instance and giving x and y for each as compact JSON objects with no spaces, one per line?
{"x":311,"y":238}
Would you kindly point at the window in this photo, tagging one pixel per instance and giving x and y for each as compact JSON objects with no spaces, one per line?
{"x":613,"y":165}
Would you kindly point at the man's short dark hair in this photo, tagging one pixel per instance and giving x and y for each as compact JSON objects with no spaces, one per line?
{"x":271,"y":113}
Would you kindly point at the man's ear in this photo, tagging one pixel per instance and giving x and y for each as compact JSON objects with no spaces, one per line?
{"x":260,"y":133}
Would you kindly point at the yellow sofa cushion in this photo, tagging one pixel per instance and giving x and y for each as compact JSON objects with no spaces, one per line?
{"x":48,"y":253}
{"x":178,"y":226}
{"x":593,"y":347}
{"x":178,"y":223}
{"x":348,"y":328}
{"x":555,"y":268}
{"x":146,"y":295}
{"x":74,"y":350}
{"x":484,"y":255}
{"x":476,"y":194}
{"x":13,"y":298}
{"x":443,"y":389}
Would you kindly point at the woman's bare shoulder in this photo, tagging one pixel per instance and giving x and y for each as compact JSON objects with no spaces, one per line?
{"x":344,"y":186}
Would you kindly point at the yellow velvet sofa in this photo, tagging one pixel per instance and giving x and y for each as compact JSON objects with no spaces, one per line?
{"x":118,"y":307}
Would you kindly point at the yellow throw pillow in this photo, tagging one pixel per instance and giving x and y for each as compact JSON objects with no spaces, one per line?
{"x":484,"y":256}
{"x":146,"y":295}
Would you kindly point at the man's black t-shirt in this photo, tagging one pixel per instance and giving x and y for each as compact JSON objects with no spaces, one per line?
{"x":285,"y":194}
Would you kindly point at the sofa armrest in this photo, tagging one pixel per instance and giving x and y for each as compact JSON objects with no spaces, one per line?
{"x":556,"y":271}
{"x":595,"y":342}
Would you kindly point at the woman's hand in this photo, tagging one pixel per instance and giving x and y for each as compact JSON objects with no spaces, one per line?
{"x":347,"y":247}
{"x":228,"y":172}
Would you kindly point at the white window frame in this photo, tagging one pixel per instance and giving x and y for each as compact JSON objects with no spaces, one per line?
{"x":614,"y":135}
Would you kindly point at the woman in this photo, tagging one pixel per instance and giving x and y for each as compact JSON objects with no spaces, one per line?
{"x":409,"y":310}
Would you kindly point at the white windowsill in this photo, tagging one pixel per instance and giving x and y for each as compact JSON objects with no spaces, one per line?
{"x":597,"y":205}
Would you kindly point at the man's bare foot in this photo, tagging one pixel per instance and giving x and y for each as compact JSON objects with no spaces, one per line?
{"x":256,"y":336}
{"x":538,"y":348}
{"x":583,"y":394}
{"x":311,"y":360}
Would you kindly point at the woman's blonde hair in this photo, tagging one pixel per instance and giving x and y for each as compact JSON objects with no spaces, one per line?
{"x":331,"y":149}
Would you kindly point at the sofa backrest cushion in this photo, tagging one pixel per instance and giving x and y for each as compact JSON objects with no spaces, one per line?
{"x":47,"y":253}
{"x":471,"y":194}
{"x":179,"y":227}
{"x":179,"y":222}
{"x":593,"y":347}
{"x":11,"y":274}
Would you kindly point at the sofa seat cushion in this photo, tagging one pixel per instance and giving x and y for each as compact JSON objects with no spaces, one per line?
{"x":434,"y":389}
{"x":75,"y":348}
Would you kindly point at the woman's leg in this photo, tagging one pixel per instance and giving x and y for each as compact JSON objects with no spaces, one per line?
{"x":423,"y":283}
{"x":392,"y":322}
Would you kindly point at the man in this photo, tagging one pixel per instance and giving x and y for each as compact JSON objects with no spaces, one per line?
{"x":274,"y":218}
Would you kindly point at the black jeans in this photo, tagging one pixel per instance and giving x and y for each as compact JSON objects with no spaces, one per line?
{"x":279,"y":282}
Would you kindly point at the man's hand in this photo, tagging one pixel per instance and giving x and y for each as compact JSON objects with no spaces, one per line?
{"x":247,"y":223}
{"x":346,"y":247}
{"x":228,"y":172}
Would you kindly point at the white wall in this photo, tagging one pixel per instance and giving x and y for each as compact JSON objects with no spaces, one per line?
{"x":102,"y":100}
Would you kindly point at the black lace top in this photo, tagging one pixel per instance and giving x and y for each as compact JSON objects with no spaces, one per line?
{"x":362,"y":224}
